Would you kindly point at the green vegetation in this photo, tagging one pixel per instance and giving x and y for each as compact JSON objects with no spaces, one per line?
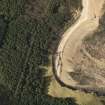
{"x":28,"y":31}
{"x":2,"y":30}
{"x":5,"y":96}
{"x":11,"y":8}
{"x":26,"y":46}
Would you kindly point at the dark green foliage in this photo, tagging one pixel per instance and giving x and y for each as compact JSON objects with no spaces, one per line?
{"x":11,"y":8}
{"x":26,"y":48}
{"x":57,"y":13}
{"x":53,"y":6}
{"x":5,"y":95}
{"x":20,"y":58}
{"x":2,"y":29}
{"x":76,"y":4}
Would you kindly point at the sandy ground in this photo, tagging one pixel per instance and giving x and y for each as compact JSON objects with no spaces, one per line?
{"x":72,"y":38}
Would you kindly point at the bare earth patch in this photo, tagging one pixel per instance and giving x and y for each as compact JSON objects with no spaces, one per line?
{"x":82,"y":65}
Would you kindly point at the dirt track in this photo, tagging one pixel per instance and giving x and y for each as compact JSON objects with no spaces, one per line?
{"x":72,"y":38}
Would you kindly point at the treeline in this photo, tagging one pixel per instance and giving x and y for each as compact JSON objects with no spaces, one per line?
{"x":24,"y":49}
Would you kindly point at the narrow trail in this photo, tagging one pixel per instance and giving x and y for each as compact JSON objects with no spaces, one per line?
{"x":72,"y":38}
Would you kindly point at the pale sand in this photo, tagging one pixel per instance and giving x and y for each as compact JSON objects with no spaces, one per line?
{"x":72,"y":38}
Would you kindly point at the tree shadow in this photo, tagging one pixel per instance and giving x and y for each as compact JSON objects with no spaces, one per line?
{"x":5,"y":95}
{"x":3,"y":29}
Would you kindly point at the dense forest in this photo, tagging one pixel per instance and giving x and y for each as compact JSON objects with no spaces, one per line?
{"x":28,"y":28}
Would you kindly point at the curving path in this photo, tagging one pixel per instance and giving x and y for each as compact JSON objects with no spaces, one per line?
{"x":72,"y":39}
